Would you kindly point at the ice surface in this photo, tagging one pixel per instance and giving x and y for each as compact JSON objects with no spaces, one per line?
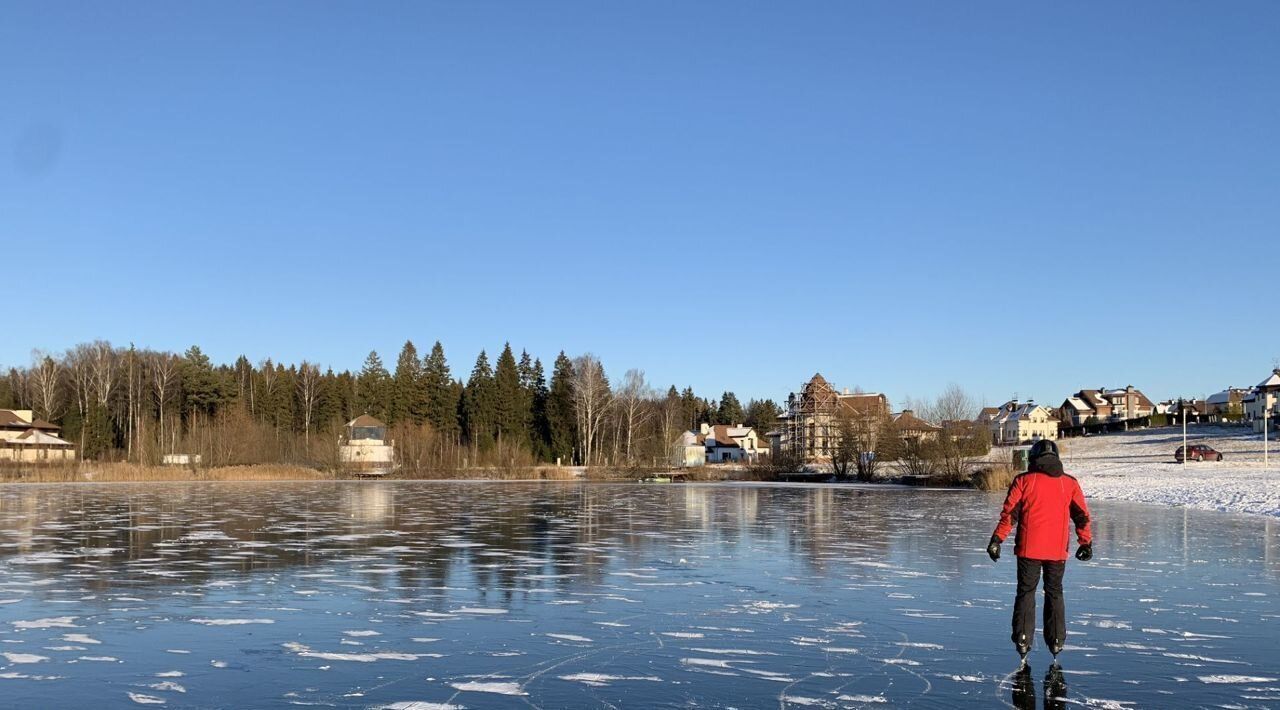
{"x":568,"y":595}
{"x":500,"y":688}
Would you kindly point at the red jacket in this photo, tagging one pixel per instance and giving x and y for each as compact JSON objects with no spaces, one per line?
{"x":1042,"y":505}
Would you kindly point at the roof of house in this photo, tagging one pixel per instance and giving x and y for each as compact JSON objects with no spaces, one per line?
{"x":691,"y":438}
{"x":1223,"y":397}
{"x":725,"y":436}
{"x":908,"y":421}
{"x":868,"y":403}
{"x":1272,"y":381}
{"x":35,"y":437}
{"x":1093,"y":398}
{"x":9,"y":419}
{"x":364,"y":420}
{"x":1077,"y":404}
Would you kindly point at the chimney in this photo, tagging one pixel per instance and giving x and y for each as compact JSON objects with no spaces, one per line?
{"x":846,"y":390}
{"x":704,"y":428}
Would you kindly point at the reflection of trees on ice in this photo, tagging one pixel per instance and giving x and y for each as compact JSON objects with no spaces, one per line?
{"x":594,"y":595}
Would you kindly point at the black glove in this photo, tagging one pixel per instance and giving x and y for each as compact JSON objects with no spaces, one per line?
{"x":993,"y":548}
{"x":1084,"y":553}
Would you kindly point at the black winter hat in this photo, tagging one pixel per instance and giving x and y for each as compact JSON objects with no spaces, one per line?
{"x":1043,"y":447}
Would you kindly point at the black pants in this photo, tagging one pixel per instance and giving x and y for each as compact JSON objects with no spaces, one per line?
{"x":1024,"y":606}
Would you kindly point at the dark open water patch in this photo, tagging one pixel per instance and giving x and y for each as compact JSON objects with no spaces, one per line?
{"x":385,"y":594}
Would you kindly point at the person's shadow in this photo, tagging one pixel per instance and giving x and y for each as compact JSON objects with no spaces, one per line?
{"x":1055,"y":690}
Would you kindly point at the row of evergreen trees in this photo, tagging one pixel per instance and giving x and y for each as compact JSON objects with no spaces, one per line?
{"x":137,"y":404}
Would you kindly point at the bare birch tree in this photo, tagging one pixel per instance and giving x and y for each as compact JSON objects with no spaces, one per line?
{"x":592,"y":400}
{"x":634,"y":407}
{"x":45,"y":380}
{"x":308,"y":395}
{"x":164,"y":385}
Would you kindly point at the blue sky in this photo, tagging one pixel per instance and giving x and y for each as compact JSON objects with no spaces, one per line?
{"x":1015,"y":197}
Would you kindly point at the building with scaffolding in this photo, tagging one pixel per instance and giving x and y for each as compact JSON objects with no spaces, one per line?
{"x":810,"y":425}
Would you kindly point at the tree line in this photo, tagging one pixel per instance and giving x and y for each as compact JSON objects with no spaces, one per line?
{"x":135,"y":404}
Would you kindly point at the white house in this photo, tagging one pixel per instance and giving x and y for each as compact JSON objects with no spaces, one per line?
{"x":720,"y":443}
{"x":689,"y":450}
{"x":364,"y":445}
{"x":1021,"y":422}
{"x":1263,"y":401}
{"x":26,"y":439}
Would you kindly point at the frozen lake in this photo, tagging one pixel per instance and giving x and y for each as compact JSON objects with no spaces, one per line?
{"x":384,"y":594}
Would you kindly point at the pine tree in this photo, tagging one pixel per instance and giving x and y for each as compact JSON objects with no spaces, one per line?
{"x":8,"y":393}
{"x":408,"y":395}
{"x":562,"y":427}
{"x":371,"y":387}
{"x":730,"y":410}
{"x":762,"y":414}
{"x":328,"y":404}
{"x":244,"y":383}
{"x":344,"y":397}
{"x":689,"y":408}
{"x":442,"y":398}
{"x":511,"y":407}
{"x":479,"y":410}
{"x":201,"y":387}
{"x":539,"y":431}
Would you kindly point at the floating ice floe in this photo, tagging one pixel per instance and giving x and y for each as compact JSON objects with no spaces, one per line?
{"x":141,"y":699}
{"x":57,"y":622}
{"x":419,"y":705}
{"x":23,"y":676}
{"x":499,"y":688}
{"x":603,"y":679}
{"x":1231,"y":679}
{"x":24,"y":658}
{"x":306,"y":652}
{"x":862,"y":699}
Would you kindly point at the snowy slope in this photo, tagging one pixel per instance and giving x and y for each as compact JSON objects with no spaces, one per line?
{"x":1138,"y":466}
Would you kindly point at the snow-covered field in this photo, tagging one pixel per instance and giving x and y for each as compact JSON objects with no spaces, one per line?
{"x":1139,"y":466}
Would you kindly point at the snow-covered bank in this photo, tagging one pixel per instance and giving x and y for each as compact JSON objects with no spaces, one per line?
{"x":1139,"y":466}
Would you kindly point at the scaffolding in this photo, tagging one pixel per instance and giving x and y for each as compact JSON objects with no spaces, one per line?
{"x":806,"y":427}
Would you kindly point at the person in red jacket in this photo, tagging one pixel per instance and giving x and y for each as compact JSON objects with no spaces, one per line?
{"x":1042,"y":502}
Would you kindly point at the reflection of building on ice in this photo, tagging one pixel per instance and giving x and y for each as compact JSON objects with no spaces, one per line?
{"x":371,"y":503}
{"x":365,"y":447}
{"x":697,"y":505}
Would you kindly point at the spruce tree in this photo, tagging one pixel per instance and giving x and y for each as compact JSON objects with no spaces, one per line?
{"x":562,"y":425}
{"x":8,"y":399}
{"x":328,"y":405}
{"x":479,"y":410}
{"x":201,"y":387}
{"x":372,"y":386}
{"x":539,"y":433}
{"x":440,"y":393}
{"x":344,"y":396}
{"x":511,"y":407}
{"x":762,"y":414}
{"x":689,"y":409}
{"x":408,"y":391}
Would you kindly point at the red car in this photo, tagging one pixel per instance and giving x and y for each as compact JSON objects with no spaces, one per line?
{"x":1197,"y":452}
